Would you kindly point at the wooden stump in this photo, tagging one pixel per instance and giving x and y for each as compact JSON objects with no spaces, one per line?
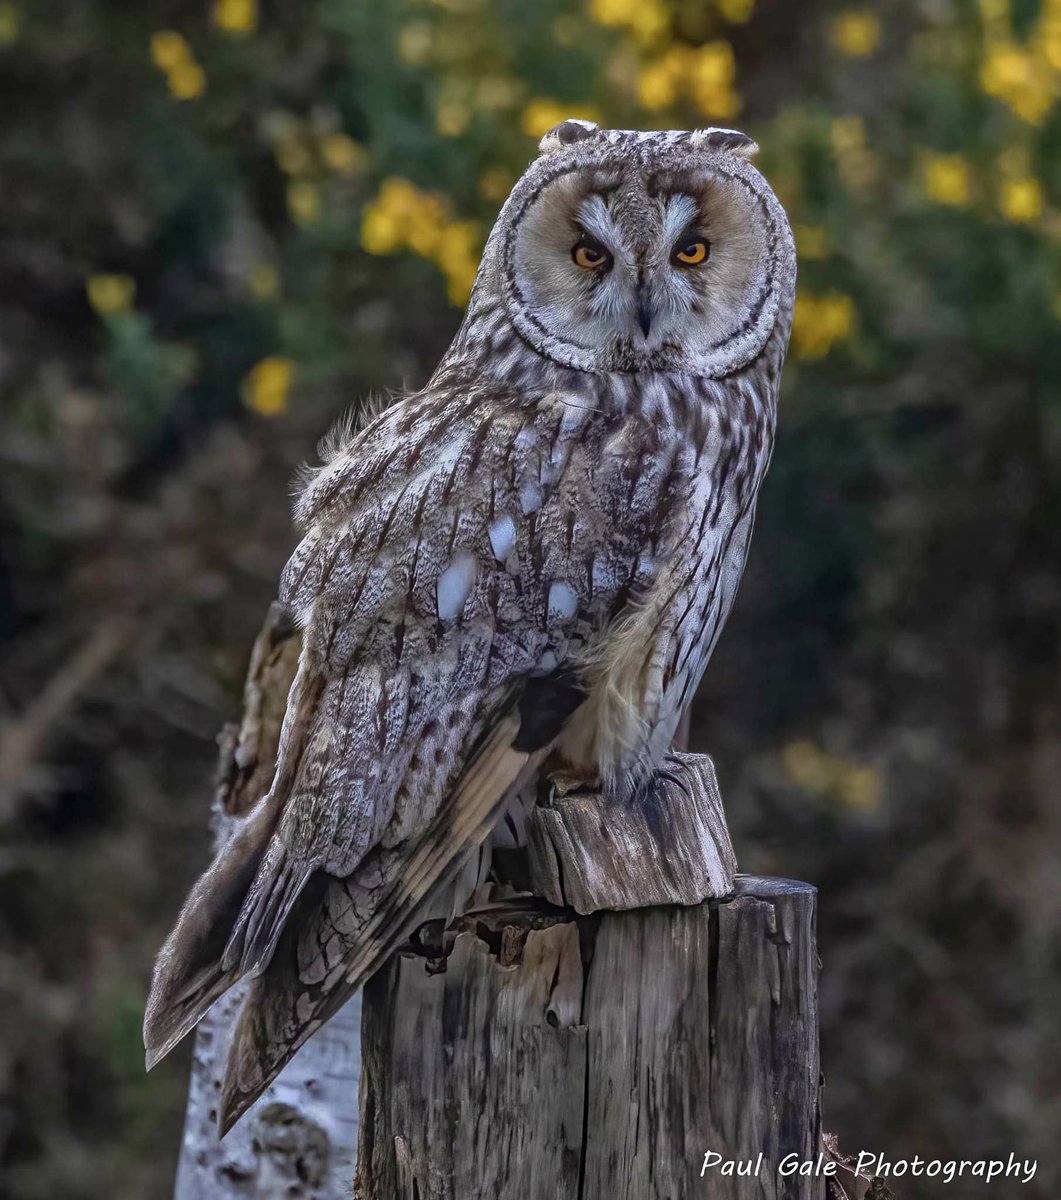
{"x":597,"y":1058}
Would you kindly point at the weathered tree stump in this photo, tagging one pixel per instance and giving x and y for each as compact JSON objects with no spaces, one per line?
{"x":599,"y":1042}
{"x":599,"y":1058}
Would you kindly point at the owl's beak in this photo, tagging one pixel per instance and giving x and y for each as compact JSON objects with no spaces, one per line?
{"x":645,"y":311}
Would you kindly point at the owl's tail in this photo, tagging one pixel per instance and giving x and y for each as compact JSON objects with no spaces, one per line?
{"x":194,"y":967}
{"x":336,"y":939}
{"x":189,"y":975}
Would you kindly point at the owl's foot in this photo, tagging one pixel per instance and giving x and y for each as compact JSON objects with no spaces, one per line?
{"x":564,"y":784}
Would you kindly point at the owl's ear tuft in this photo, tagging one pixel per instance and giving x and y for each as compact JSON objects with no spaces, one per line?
{"x":566,"y":134}
{"x":731,"y":141}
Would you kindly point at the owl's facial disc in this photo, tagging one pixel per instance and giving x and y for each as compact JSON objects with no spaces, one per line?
{"x":628,"y":264}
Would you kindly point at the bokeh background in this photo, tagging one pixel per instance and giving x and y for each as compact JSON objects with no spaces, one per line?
{"x":223,"y":223}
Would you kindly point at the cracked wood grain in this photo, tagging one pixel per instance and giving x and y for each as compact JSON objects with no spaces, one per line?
{"x":696,"y":1030}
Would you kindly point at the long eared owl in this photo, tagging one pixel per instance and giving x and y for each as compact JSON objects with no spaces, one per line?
{"x":525,"y":565}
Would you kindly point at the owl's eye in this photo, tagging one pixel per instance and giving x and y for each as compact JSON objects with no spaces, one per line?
{"x":691,"y":253}
{"x":589,"y":254}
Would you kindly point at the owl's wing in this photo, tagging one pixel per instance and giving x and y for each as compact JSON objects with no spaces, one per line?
{"x":463,"y":546}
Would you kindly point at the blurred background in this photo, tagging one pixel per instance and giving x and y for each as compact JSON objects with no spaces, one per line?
{"x":223,"y":223}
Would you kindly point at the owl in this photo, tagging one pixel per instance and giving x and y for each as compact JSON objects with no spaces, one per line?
{"x":521,"y":569}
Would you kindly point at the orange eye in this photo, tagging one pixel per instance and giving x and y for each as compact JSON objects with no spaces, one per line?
{"x":690,"y":254}
{"x":590,"y":254}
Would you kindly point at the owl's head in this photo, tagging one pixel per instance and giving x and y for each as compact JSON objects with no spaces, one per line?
{"x":627,"y":251}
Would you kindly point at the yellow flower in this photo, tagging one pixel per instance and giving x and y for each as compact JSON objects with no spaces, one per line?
{"x":662,"y":81}
{"x":10,"y":24}
{"x":404,"y":218}
{"x":304,"y":201}
{"x":187,"y":81}
{"x":263,"y":282}
{"x":1021,"y":79}
{"x":386,"y":220}
{"x":1049,"y":38}
{"x":830,"y":776}
{"x":542,"y":115}
{"x":947,"y":179}
{"x":342,"y":154}
{"x":414,"y":43}
{"x":736,"y":11}
{"x":820,"y":323}
{"x":172,"y":54}
{"x":169,"y":49}
{"x":646,"y":19}
{"x":856,"y":32}
{"x":238,"y":17}
{"x":109,"y":294}
{"x":266,"y":387}
{"x":380,"y":231}
{"x":715,"y":65}
{"x":657,"y":87}
{"x":712,"y":72}
{"x":457,"y":254}
{"x":1022,"y":200}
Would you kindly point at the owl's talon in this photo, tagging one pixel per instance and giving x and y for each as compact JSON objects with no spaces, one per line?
{"x":563,"y":784}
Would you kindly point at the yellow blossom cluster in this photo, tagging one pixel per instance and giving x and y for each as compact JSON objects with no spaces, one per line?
{"x":236,"y":17}
{"x":1021,"y":77}
{"x":1027,"y":77}
{"x":856,"y":32}
{"x":173,"y":56}
{"x":705,"y":74}
{"x":1022,"y":200}
{"x":542,"y":115}
{"x":647,"y":20}
{"x":820,"y":323}
{"x":304,"y":150}
{"x":110,"y":294}
{"x":828,"y":775}
{"x":947,"y":179}
{"x":267,"y":386}
{"x":402,"y":217}
{"x":304,"y":147}
{"x":736,"y":12}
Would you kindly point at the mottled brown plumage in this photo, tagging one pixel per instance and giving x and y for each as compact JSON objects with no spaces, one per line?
{"x":532,"y":556}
